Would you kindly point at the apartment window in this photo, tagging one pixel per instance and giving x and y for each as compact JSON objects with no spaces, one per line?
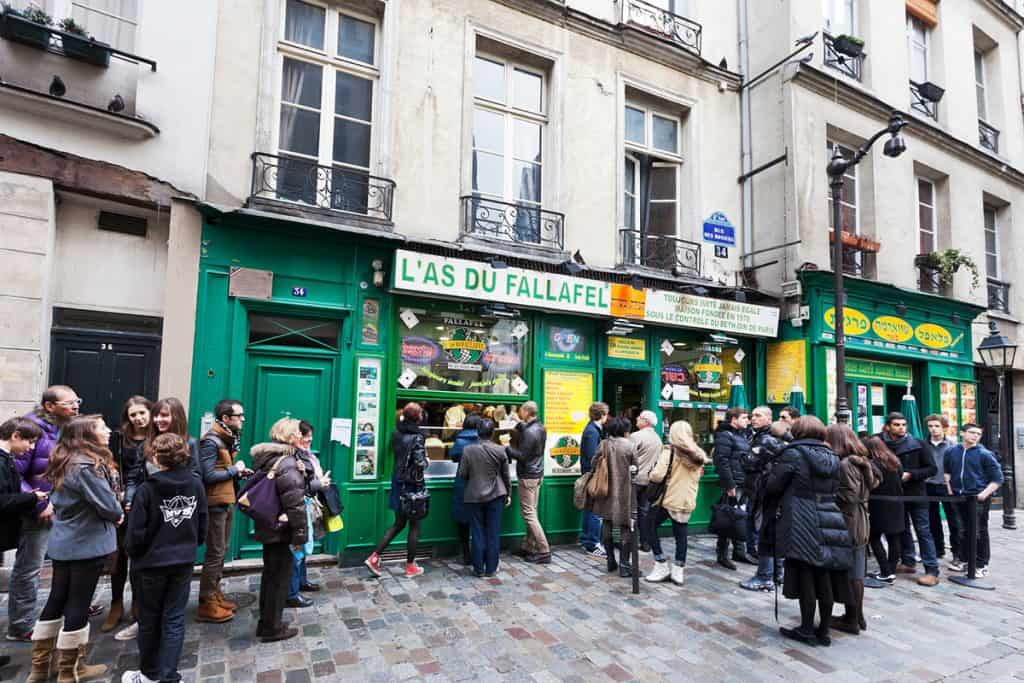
{"x":979,"y":85}
{"x":114,"y":22}
{"x":840,"y":17}
{"x":917,"y":43}
{"x":652,"y":166}
{"x":849,"y":219}
{"x":991,"y":243}
{"x":926,"y":216}
{"x":509,"y":120}
{"x":328,"y":78}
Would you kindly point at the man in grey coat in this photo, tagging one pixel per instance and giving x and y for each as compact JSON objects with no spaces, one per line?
{"x":648,"y":449}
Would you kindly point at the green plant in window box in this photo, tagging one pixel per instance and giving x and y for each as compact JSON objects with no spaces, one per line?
{"x":78,"y":44}
{"x":851,"y":46}
{"x":947,"y":263}
{"x":30,"y":26}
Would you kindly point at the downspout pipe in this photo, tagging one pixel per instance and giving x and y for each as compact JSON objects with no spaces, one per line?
{"x":746,"y":158}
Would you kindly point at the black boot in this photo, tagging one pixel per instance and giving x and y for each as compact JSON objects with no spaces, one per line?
{"x":625,"y":556}
{"x":723,"y":553}
{"x":612,"y":564}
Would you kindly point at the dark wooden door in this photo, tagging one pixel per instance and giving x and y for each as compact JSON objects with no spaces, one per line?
{"x":105,"y":368}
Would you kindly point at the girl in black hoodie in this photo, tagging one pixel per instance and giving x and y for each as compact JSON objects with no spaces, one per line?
{"x":166,"y":525}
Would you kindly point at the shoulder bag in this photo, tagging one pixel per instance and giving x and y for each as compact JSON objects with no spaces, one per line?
{"x":579,"y":490}
{"x":259,"y":500}
{"x":656,"y":491}
{"x":597,"y":487}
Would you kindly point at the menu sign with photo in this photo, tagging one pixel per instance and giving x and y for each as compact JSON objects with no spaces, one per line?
{"x":948,"y":404}
{"x":367,"y":423}
{"x":567,"y":399}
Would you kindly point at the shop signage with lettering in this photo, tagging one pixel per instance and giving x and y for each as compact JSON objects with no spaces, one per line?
{"x":895,"y":333}
{"x":460,"y":278}
{"x":625,"y":348}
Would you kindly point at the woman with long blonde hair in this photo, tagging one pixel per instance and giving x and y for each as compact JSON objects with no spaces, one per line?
{"x":680,"y":467}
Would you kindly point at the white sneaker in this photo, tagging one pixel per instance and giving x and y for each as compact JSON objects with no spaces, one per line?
{"x":981,"y":571}
{"x":136,"y":677}
{"x":678,"y":574}
{"x":660,"y":573}
{"x":956,"y":566}
{"x":130,"y":633}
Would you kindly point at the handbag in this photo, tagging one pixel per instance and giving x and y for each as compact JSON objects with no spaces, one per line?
{"x":416,"y":505}
{"x":331,"y":498}
{"x":259,"y":500}
{"x":729,"y":520}
{"x":597,"y":487}
{"x":579,"y":491}
{"x":317,"y":526}
{"x":656,"y":491}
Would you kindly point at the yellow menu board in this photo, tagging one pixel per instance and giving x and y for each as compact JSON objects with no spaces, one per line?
{"x":626,"y":348}
{"x":567,"y":399}
{"x":785,"y":367}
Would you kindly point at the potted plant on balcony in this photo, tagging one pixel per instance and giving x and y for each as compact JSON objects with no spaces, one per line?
{"x":851,"y":46}
{"x":857,"y":242}
{"x":929,"y":91}
{"x":29,"y":27}
{"x":81,"y":46}
{"x":947,"y":263}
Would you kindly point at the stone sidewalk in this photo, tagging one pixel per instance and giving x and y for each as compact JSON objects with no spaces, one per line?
{"x":570,"y":621}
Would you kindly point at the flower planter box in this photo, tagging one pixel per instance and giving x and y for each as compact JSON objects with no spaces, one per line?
{"x":856,"y":242}
{"x":848,"y":45}
{"x":86,"y":50}
{"x":929,"y":91}
{"x":21,"y":30}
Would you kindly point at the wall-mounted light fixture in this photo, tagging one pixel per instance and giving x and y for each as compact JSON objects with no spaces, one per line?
{"x":378,"y":272}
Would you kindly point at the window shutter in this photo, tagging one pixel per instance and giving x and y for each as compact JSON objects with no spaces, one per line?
{"x":925,"y":10}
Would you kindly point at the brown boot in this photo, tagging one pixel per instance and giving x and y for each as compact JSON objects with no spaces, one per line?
{"x":858,"y":594}
{"x":223,"y":601}
{"x":72,"y":651}
{"x":210,"y":610}
{"x":44,"y":640}
{"x":113,"y":616}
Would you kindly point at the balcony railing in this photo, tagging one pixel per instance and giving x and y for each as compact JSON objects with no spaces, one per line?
{"x":849,"y":66}
{"x":922,"y":105}
{"x":520,"y":223}
{"x":302,"y":181}
{"x":988,"y":136}
{"x":673,"y":255}
{"x":998,"y":295}
{"x":681,"y":30}
{"x":928,"y":280}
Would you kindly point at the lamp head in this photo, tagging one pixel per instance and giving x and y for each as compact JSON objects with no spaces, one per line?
{"x":895,"y":146}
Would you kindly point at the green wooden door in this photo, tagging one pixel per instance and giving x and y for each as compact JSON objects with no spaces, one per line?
{"x":287,"y":383}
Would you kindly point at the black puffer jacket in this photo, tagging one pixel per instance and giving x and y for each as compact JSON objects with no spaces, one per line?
{"x":407,"y":444}
{"x":290,"y":481}
{"x":130,"y":457}
{"x":887,"y":515}
{"x":914,"y":460}
{"x":527,"y":450}
{"x":810,"y":526}
{"x":764,"y":448}
{"x":731,"y":449}
{"x":13,"y":502}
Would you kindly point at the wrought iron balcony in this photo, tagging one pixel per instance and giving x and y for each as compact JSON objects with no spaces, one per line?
{"x":918,"y":103}
{"x":520,"y":223}
{"x":681,"y":30}
{"x":988,"y":136}
{"x":291,"y":179}
{"x":673,"y":255}
{"x":998,"y":295}
{"x":928,"y":280}
{"x":843,"y":63}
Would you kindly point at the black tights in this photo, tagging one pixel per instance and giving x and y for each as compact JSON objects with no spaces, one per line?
{"x":119,"y":575}
{"x":395,"y":529}
{"x":815,"y":590}
{"x":886,"y":560}
{"x":71,"y":591}
{"x":625,"y":542}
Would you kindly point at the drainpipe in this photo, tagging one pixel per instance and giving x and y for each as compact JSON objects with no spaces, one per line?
{"x":745,"y":137}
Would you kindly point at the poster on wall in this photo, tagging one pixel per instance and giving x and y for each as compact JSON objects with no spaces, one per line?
{"x":367,"y":419}
{"x":784,"y":367}
{"x":968,"y":402}
{"x":948,"y":406}
{"x":567,"y":399}
{"x":369,"y":331}
{"x":626,"y":348}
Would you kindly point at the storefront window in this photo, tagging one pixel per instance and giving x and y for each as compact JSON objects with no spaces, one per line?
{"x":700,"y":371}
{"x":460,"y":353}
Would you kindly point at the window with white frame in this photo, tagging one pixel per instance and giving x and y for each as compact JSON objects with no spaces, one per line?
{"x":509,"y":123}
{"x":991,"y":243}
{"x":329,"y":76}
{"x":652,"y":165}
{"x":841,"y":17}
{"x":926,"y":216}
{"x":849,"y":215}
{"x":979,"y":85}
{"x":114,"y":22}
{"x":917,"y":44}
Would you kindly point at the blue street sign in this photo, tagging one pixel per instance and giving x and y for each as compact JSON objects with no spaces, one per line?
{"x":718,"y":230}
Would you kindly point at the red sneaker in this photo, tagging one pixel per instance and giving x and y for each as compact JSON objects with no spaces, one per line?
{"x":373,"y":564}
{"x":412,"y":569}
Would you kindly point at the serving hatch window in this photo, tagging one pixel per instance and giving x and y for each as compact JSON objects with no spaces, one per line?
{"x":460,"y":353}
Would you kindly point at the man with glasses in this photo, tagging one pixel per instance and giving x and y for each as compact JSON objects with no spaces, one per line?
{"x":218,"y":451}
{"x":57,"y":406}
{"x":970,"y":469}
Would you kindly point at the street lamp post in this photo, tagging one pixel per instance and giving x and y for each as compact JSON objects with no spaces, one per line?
{"x":837,"y":168}
{"x":998,"y":352}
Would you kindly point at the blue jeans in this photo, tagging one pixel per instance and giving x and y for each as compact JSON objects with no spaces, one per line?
{"x":298,"y":578}
{"x":766,"y":567}
{"x":24,"y":582}
{"x":485,"y":534}
{"x":590,"y":537}
{"x":751,"y":527}
{"x":656,"y":516}
{"x":161,"y":598}
{"x":917,"y":516}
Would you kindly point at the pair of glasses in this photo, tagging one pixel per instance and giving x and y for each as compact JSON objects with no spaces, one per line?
{"x":241,"y":415}
{"x":70,"y":402}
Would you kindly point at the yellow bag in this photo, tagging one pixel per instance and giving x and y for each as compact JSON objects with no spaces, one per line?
{"x":334,"y":523}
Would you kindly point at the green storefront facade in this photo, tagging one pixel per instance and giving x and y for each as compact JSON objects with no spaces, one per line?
{"x":895,"y":339}
{"x":344,"y":328}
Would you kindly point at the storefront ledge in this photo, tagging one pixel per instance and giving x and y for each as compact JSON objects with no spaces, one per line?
{"x":525,"y":250}
{"x":78,"y":113}
{"x":306,"y":212}
{"x":254,"y":565}
{"x":356,"y":225}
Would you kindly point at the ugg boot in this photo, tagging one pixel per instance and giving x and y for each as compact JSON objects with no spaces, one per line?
{"x":223,"y":601}
{"x":678,"y":574}
{"x":44,"y":640}
{"x":72,"y":650}
{"x":661,"y":572}
{"x":113,"y":616}
{"x":211,"y":611}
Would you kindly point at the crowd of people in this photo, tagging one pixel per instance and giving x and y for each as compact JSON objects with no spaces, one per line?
{"x":139,"y":501}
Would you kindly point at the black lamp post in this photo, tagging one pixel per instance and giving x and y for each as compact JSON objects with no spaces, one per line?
{"x":837,"y":168}
{"x":998,"y":352}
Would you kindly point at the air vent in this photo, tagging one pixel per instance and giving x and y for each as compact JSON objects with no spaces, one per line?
{"x":118,"y":222}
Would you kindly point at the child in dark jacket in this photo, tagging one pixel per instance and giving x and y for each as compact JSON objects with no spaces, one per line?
{"x":166,"y":524}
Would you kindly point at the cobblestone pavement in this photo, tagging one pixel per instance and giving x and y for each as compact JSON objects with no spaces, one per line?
{"x":570,"y":621}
